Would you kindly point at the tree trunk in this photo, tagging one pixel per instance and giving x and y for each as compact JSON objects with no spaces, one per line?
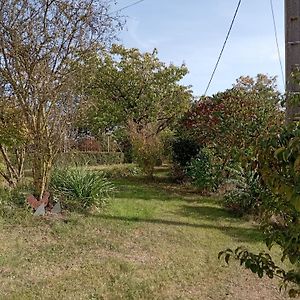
{"x":14,"y":166}
{"x":41,"y":171}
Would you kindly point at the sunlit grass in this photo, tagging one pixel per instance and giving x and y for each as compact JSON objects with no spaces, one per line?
{"x":154,"y":240}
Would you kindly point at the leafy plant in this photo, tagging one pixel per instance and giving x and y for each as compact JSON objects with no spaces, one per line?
{"x":263,"y":265}
{"x":184,"y":150}
{"x":76,"y":158}
{"x":147,"y":147}
{"x":89,"y":188}
{"x":121,"y":171}
{"x":230,"y":122}
{"x":245,"y":197}
{"x":202,"y":172}
{"x":278,"y":165}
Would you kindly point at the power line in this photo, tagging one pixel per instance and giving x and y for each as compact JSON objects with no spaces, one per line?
{"x":223,"y":48}
{"x":127,"y":6}
{"x":277,"y":43}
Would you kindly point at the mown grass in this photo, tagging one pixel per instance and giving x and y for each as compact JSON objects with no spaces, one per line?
{"x":155,"y":240}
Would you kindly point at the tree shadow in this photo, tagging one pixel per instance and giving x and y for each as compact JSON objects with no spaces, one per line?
{"x":208,"y":212}
{"x":163,"y":189}
{"x":241,"y":234}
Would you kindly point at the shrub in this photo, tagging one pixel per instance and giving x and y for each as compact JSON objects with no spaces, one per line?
{"x":245,"y":197}
{"x":200,"y":171}
{"x":88,"y":144}
{"x":147,"y":147}
{"x":5,"y":200}
{"x":13,"y":207}
{"x":121,"y":171}
{"x":279,"y":166}
{"x":89,"y":158}
{"x":184,"y":150}
{"x":87,"y":188}
{"x":204,"y":171}
{"x":126,"y":148}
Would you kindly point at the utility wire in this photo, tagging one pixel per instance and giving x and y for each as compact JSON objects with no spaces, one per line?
{"x":127,"y":6}
{"x":223,"y":48}
{"x":277,"y":43}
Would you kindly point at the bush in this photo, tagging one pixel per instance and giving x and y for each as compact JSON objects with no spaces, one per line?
{"x":87,"y":188}
{"x":121,"y":171}
{"x":245,"y":197}
{"x":13,"y":206}
{"x":126,"y":148}
{"x":202,"y":172}
{"x":184,"y":150}
{"x":147,"y":147}
{"x":89,"y":158}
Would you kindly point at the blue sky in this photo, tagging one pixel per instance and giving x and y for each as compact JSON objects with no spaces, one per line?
{"x":193,"y":31}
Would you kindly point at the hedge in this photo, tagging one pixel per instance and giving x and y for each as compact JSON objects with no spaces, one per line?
{"x":90,"y":158}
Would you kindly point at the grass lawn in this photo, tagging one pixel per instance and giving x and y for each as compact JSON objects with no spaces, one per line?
{"x":154,"y":240}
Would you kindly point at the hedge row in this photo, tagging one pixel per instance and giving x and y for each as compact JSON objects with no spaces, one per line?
{"x":90,"y":158}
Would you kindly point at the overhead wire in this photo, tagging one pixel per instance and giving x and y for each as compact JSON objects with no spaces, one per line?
{"x":277,"y":43}
{"x":129,"y":5}
{"x":223,"y":47}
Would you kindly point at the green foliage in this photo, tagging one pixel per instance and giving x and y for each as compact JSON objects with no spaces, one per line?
{"x":135,"y":86}
{"x":126,"y":147}
{"x":84,"y":187}
{"x":279,"y":158}
{"x":12,"y":131}
{"x":184,"y":150}
{"x":202,"y":172}
{"x":121,"y":171}
{"x":138,"y":93}
{"x":230,"y":122}
{"x":147,"y":147}
{"x":13,"y":207}
{"x":89,"y":158}
{"x":5,"y":200}
{"x":278,"y":155}
{"x":262,"y":264}
{"x":245,"y":195}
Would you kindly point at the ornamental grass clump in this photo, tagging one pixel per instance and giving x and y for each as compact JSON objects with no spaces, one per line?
{"x":85,"y":187}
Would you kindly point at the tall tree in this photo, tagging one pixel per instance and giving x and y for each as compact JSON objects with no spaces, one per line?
{"x":132,"y":86}
{"x":231,"y":121}
{"x":42,"y":44}
{"x":139,"y":93}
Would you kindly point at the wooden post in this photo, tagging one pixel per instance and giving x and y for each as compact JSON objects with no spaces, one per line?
{"x":292,"y":57}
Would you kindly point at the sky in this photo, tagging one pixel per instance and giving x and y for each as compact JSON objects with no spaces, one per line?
{"x":193,"y":32}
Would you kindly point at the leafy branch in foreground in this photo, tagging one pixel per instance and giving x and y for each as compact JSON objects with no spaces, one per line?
{"x":263,"y":265}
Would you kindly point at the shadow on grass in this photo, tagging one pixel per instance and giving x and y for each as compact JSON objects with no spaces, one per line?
{"x":163,"y":189}
{"x":242,"y":234}
{"x":207,"y":212}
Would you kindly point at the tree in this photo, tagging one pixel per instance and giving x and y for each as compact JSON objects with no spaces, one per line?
{"x":12,"y":143}
{"x":42,"y":46}
{"x":130,"y":85}
{"x":231,"y":121}
{"x":137,"y":92}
